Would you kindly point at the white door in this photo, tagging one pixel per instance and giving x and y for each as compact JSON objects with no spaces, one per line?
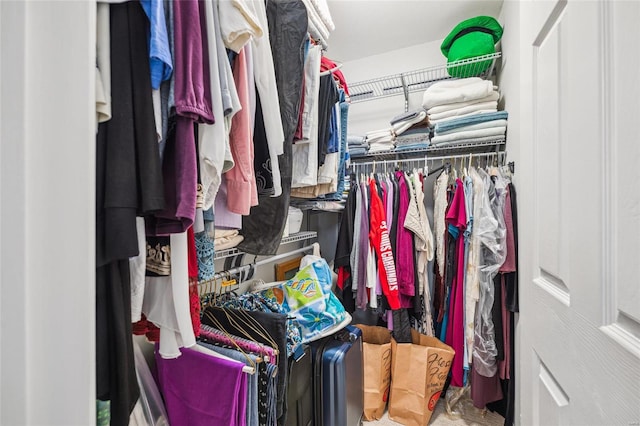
{"x":579,"y":213}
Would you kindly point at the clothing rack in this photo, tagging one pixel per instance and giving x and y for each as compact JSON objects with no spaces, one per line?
{"x":423,"y":162}
{"x":250,"y":266}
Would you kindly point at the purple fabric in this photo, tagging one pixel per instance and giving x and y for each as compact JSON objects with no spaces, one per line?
{"x":179,"y":170}
{"x":199,"y":389}
{"x":485,"y":389}
{"x":224,"y":218}
{"x":193,"y":105}
{"x":389,"y":203}
{"x":361,"y":293}
{"x":404,"y":247}
{"x":192,"y":79}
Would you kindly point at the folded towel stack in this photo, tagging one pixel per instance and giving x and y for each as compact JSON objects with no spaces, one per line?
{"x":357,"y":145}
{"x":464,"y":110}
{"x":320,"y":22}
{"x":380,"y":140}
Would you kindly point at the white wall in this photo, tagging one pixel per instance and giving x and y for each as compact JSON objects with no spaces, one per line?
{"x":375,"y":114}
{"x":47,"y":188}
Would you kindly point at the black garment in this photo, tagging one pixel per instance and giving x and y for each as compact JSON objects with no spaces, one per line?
{"x":263,"y":400}
{"x":115,"y":365}
{"x":496,"y":316}
{"x":261,"y":159}
{"x":328,"y":95}
{"x":129,"y":176}
{"x":401,"y":326}
{"x":506,"y":406}
{"x":511,"y":278}
{"x":276,"y":327}
{"x":345,"y":233}
{"x":343,"y":249}
{"x":288,"y":21}
{"x":128,"y":182}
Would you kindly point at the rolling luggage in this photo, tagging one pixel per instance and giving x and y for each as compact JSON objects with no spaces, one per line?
{"x":338,"y":379}
{"x":300,"y":407}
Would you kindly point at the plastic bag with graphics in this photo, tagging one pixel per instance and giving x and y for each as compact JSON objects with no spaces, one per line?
{"x":308,"y":297}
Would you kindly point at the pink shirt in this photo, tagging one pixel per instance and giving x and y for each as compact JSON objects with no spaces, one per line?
{"x":457,"y":216}
{"x":241,"y":182}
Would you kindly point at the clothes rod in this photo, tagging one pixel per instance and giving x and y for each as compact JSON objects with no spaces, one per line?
{"x":425,"y":159}
{"x":242,"y":268}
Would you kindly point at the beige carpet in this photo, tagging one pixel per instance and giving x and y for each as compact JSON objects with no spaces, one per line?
{"x":471,"y":416}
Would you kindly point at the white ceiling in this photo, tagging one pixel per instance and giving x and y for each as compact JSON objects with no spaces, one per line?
{"x":369,"y":27}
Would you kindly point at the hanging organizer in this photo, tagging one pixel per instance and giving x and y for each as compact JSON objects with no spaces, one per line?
{"x":418,"y":80}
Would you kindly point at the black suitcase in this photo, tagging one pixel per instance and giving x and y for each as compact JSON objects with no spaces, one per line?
{"x":300,"y":405}
{"x":338,"y":379}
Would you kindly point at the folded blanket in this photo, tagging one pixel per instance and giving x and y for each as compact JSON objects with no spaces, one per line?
{"x":354,"y":152}
{"x":399,"y":127}
{"x":493,"y":96}
{"x":410,"y":115}
{"x":379,"y":136}
{"x":421,"y":131}
{"x":356,"y":140}
{"x":477,"y":126}
{"x":484,"y":107}
{"x":380,"y":147}
{"x":451,"y":91}
{"x":322,"y":7}
{"x":461,"y":136}
{"x":453,"y":123}
{"x":317,"y":28}
{"x":412,"y":146}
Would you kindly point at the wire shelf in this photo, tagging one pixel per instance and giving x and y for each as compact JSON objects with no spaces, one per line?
{"x":412,"y":81}
{"x":467,"y":147}
{"x":293,"y":238}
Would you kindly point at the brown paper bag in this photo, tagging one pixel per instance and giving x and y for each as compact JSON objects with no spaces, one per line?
{"x":418,"y":375}
{"x":376,"y":354}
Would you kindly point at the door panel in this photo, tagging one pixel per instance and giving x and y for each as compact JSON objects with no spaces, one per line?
{"x":579,"y":326}
{"x":625,"y":168}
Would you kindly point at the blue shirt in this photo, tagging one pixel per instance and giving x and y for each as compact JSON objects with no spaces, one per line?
{"x":159,"y":52}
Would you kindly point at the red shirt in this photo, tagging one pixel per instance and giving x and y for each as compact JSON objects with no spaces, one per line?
{"x":379,"y":239}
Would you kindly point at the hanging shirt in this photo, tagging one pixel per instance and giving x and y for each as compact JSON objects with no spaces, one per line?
{"x":243,"y":192}
{"x":379,"y":237}
{"x":305,"y":152}
{"x":159,"y":55}
{"x":457,"y":218}
{"x":404,"y":246}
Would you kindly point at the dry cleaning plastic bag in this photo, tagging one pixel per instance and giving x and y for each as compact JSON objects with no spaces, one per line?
{"x":308,"y":297}
{"x":418,"y":374}
{"x":376,"y":357}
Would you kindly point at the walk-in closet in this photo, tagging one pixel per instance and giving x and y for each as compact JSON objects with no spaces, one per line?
{"x":319,"y":212}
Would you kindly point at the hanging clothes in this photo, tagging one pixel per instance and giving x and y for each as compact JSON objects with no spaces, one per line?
{"x":263,"y":228}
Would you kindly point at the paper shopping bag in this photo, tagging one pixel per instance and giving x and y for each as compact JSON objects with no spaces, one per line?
{"x":376,"y":354}
{"x":419,"y":371}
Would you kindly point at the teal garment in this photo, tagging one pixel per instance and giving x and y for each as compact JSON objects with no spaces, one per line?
{"x":103,"y":413}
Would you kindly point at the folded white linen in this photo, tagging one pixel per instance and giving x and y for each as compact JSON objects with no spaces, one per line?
{"x":444,"y":120}
{"x":458,"y":136}
{"x":322,"y":7}
{"x":452,"y":91}
{"x":459,"y":143}
{"x":317,"y":27}
{"x":400,"y":127}
{"x":478,"y":126}
{"x":493,"y":96}
{"x":381,"y":147}
{"x":491,"y":106}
